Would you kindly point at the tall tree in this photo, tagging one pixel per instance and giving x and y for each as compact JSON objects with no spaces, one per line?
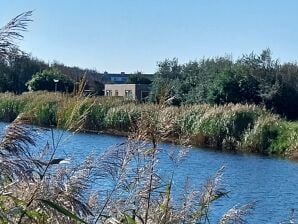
{"x":21,"y":70}
{"x":163,"y":85}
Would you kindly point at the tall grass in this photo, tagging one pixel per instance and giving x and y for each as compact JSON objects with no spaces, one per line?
{"x":245,"y":128}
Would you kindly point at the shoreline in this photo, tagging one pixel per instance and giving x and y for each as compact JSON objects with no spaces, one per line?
{"x":240,"y":128}
{"x":113,"y":132}
{"x":293,"y":157}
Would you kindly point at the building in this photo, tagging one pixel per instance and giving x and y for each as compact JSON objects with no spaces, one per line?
{"x":139,"y":92}
{"x":117,"y":78}
{"x":120,"y":78}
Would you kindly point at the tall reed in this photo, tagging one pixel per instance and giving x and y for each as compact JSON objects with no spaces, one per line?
{"x":229,"y":127}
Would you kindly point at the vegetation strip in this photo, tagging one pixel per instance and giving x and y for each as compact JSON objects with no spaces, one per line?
{"x":245,"y":128}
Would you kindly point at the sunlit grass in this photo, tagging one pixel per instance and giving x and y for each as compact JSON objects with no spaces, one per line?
{"x":247,"y":128}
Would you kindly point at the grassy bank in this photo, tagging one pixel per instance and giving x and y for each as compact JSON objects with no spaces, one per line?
{"x":245,"y":128}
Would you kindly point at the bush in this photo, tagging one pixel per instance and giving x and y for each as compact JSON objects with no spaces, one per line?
{"x":45,"y":81}
{"x":287,"y":139}
{"x":262,"y":135}
{"x":9,"y":110}
{"x":121,"y":118}
{"x":95,"y":117}
{"x":231,"y":87}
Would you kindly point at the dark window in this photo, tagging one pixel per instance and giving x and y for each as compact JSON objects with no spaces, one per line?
{"x":108,"y":92}
{"x":128,"y":93}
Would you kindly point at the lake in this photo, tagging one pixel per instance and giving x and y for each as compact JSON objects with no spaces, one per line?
{"x":271,"y":182}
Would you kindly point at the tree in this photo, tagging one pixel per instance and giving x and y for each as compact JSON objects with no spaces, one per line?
{"x":285,"y":101}
{"x":138,"y":78}
{"x":231,"y":87}
{"x":4,"y":70}
{"x":187,"y":83}
{"x":15,"y":71}
{"x":93,"y":78}
{"x":45,"y":81}
{"x":198,"y":76}
{"x":163,"y":85}
{"x":21,"y":70}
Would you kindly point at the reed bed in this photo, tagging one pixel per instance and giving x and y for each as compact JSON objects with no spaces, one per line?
{"x":243,"y":128}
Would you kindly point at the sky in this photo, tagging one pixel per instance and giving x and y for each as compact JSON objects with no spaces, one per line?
{"x":133,"y":35}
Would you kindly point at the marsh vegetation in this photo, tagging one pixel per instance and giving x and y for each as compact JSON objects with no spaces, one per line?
{"x":236,"y":127}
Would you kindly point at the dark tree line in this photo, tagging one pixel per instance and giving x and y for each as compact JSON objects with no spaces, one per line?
{"x":94,"y":81}
{"x":17,"y":70}
{"x":254,"y":78}
{"x":138,"y":78}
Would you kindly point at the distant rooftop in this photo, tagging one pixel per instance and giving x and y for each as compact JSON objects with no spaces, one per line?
{"x":118,"y":78}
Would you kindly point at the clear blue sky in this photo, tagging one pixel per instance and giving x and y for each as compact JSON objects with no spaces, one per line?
{"x":130,"y":35}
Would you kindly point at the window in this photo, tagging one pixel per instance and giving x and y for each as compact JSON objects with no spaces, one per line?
{"x":128,"y":93}
{"x":116,"y":93}
{"x":108,"y":92}
{"x":119,"y":79}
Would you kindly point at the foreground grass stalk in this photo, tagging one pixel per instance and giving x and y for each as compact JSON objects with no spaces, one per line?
{"x":107,"y":201}
{"x":41,"y":178}
{"x":151,"y":178}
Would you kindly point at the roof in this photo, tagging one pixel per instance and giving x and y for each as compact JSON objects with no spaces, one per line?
{"x":119,"y":78}
{"x":125,"y":84}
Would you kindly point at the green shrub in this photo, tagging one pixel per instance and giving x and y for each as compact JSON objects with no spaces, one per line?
{"x":45,"y":81}
{"x":189,"y":116}
{"x":232,"y":87}
{"x":45,"y":114}
{"x":287,"y":139}
{"x":223,"y":126}
{"x":95,"y":117}
{"x":10,"y":109}
{"x":121,"y":118}
{"x":261,"y":136}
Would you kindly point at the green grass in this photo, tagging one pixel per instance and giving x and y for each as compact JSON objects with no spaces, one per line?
{"x":245,"y":128}
{"x":287,"y":138}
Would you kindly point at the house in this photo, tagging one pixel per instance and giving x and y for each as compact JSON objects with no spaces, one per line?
{"x":121,"y":78}
{"x":139,"y":92}
{"x":117,"y":78}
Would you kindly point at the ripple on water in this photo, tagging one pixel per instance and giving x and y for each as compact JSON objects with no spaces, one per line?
{"x":271,"y":182}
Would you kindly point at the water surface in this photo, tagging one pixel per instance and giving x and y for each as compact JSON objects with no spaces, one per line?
{"x":271,"y":182}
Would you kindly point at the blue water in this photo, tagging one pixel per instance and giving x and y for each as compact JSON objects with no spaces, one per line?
{"x":270,"y":182}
